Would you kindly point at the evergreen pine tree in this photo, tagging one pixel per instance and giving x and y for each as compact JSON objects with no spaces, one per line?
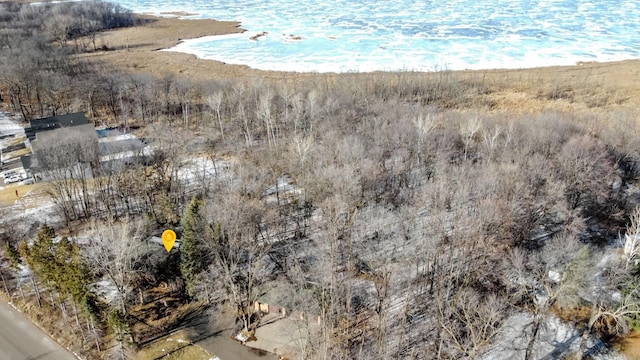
{"x":13,"y":255}
{"x":39,"y":256}
{"x":192,"y":260}
{"x":72,"y":277}
{"x":60,"y":266}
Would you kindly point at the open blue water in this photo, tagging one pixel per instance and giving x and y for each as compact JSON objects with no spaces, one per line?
{"x":427,"y":35}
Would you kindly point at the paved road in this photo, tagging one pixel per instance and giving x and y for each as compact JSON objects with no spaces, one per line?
{"x":21,"y":340}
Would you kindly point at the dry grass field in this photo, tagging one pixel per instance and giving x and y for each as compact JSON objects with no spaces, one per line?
{"x":8,"y":194}
{"x":583,"y":87}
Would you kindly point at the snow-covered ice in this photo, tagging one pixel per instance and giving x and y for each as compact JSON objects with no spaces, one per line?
{"x":358,"y":36}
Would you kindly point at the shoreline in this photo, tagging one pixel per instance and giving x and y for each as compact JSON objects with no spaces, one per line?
{"x":164,"y":33}
{"x":136,"y":49}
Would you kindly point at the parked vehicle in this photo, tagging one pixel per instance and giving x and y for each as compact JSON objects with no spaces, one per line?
{"x":13,"y":179}
{"x":13,"y":176}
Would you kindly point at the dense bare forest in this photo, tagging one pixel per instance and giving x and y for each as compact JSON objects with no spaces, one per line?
{"x":396,"y":210}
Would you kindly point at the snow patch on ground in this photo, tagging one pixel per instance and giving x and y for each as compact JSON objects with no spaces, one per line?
{"x":8,"y":125}
{"x":146,"y":151}
{"x":201,"y":170}
{"x":82,"y":240}
{"x":284,"y":190}
{"x":556,"y":339}
{"x":106,"y":289}
{"x":23,"y":272}
{"x":117,"y":138}
{"x":31,"y":211}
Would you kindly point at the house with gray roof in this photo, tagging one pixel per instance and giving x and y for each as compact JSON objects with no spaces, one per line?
{"x":54,"y":122}
{"x":63,"y":146}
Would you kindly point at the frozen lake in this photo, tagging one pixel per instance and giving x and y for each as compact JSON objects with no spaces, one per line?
{"x":348,"y":36}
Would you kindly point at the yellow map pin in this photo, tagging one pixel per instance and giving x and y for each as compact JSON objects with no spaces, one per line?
{"x":168,"y":239}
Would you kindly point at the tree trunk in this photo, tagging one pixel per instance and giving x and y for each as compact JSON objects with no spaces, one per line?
{"x":75,"y":314}
{"x":53,"y":301}
{"x":21,"y":290}
{"x":95,"y":334}
{"x":63,"y":310}
{"x":4,"y":282}
{"x":220,"y":124}
{"x":37,"y":292}
{"x":534,"y":335}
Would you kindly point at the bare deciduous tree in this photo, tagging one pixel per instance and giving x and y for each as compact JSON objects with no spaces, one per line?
{"x":238,"y":253}
{"x":559,"y":275}
{"x":113,"y":249}
{"x":471,"y":321}
{"x":215,"y":103}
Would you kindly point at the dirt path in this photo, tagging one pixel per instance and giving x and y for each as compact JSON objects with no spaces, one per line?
{"x":283,"y":336}
{"x":227,"y":349}
{"x":214,"y":336}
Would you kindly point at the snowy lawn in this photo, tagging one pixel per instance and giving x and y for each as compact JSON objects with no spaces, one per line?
{"x":8,"y":125}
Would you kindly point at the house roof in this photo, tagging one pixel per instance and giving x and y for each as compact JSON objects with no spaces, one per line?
{"x":65,"y":145}
{"x":86,"y":132}
{"x":54,"y":122}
